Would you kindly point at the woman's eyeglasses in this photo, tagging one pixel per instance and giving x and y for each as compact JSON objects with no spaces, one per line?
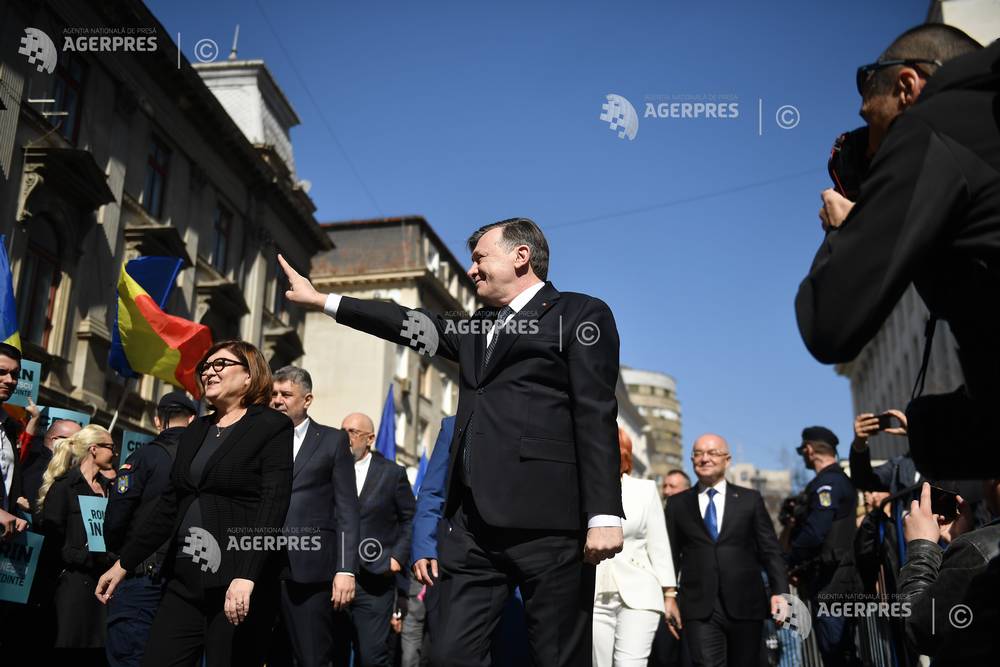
{"x":217,"y":365}
{"x":865,"y":72}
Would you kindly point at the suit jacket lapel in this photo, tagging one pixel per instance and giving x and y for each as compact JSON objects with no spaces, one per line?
{"x":533,"y":310}
{"x":310,"y":444}
{"x":375,"y":471}
{"x":696,"y":511}
{"x":240,"y":429}
{"x":733,"y":500}
{"x":190,"y":442}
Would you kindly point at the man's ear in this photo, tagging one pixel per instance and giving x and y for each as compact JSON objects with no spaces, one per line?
{"x":522,"y":259}
{"x":308,"y":400}
{"x":908,"y":86}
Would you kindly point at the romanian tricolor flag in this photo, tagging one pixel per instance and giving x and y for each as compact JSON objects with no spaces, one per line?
{"x":146,"y":339}
{"x":8,"y":309}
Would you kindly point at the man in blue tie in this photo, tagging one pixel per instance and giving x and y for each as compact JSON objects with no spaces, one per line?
{"x":722,"y":538}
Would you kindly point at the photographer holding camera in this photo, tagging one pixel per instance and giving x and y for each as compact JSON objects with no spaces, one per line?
{"x":928,"y":213}
{"x":952,"y":591}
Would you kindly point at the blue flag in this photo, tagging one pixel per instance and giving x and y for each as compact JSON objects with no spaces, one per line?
{"x":8,"y":309}
{"x":385,"y":443}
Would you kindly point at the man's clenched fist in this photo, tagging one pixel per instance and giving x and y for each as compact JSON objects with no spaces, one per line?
{"x":602,"y":542}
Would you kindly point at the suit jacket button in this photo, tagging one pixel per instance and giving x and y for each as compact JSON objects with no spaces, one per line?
{"x":480,"y":391}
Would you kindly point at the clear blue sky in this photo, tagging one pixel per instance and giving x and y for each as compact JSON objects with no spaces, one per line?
{"x":696,"y":233}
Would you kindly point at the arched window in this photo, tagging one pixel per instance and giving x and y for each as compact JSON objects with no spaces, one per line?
{"x":39,"y":283}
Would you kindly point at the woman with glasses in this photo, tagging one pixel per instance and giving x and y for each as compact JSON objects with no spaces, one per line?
{"x":229,"y":492}
{"x":75,"y":471}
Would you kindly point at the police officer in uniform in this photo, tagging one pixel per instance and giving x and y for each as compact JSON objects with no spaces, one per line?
{"x":821,"y":556}
{"x":140,"y":482}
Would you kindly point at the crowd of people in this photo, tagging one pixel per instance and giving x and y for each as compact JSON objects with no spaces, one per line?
{"x":246,"y":533}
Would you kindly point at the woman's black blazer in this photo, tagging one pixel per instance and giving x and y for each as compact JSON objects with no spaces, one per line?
{"x":245,"y":490}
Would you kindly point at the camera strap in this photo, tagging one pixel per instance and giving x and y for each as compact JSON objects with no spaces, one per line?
{"x":918,"y":386}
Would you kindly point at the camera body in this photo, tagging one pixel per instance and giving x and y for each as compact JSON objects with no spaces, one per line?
{"x":793,"y":510}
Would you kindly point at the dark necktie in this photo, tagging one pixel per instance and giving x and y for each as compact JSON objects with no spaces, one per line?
{"x":711,"y":521}
{"x":467,"y":440}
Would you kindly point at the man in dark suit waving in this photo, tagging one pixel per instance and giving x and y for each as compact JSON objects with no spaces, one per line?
{"x":324,"y":520}
{"x":534,"y":495}
{"x":722,"y":539}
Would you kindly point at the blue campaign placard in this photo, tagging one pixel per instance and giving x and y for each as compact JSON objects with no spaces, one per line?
{"x":92,"y":510}
{"x":18,"y":561}
{"x":27,"y":383}
{"x":50,"y":415}
{"x":131,"y":441}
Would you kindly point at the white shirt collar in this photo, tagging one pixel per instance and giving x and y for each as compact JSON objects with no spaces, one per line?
{"x":522,"y":299}
{"x":719,"y":486}
{"x":300,"y":430}
{"x":364,"y":459}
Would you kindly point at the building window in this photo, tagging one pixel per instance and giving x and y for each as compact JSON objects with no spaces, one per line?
{"x":157,"y":166}
{"x":67,"y":91}
{"x":39,"y":284}
{"x":425,"y":381}
{"x":222,"y":224}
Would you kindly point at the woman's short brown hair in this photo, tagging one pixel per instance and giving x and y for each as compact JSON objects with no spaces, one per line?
{"x":259,"y":391}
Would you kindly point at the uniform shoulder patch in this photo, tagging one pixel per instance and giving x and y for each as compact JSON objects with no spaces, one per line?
{"x":123,"y":482}
{"x":825,"y":495}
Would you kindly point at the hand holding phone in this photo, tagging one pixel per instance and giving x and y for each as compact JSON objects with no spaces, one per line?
{"x":944,"y":503}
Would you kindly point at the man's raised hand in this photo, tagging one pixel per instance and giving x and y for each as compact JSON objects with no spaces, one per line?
{"x":300,"y":290}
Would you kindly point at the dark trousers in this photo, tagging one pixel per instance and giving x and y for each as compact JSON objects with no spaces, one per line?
{"x":130,"y":617}
{"x":723,"y":641}
{"x":365,"y":624}
{"x":190,"y":623}
{"x":307,"y":616}
{"x":835,"y":640}
{"x":481,"y":565}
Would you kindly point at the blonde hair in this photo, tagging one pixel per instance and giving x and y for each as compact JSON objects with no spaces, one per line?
{"x":68,"y":453}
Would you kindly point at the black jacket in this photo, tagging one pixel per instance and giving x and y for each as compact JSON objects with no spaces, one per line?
{"x":730,"y":567}
{"x":12,"y":429}
{"x":244,"y":492}
{"x":545,"y":439}
{"x":387,"y":508}
{"x":929,"y":214}
{"x":324,"y":507}
{"x":61,"y":522}
{"x":140,"y":482}
{"x":934,"y":581}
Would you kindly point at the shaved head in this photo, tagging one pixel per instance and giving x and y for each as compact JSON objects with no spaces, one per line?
{"x":359,"y":421}
{"x":710,"y":457}
{"x":361,"y":433}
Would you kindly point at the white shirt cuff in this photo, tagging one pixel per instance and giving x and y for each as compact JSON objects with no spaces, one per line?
{"x":332,"y":304}
{"x":349,"y":574}
{"x":604,"y":520}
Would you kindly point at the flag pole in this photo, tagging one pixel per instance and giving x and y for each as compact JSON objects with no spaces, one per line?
{"x":121,"y":402}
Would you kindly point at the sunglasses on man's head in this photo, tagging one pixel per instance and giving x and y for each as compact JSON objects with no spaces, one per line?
{"x":865,"y":72}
